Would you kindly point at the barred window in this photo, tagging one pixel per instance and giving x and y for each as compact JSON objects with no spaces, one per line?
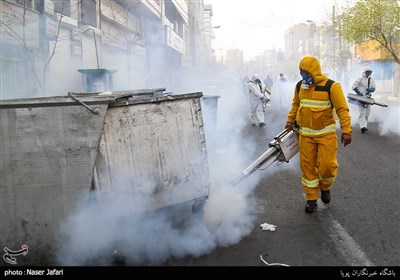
{"x":89,"y":13}
{"x":29,"y":4}
{"x":63,"y":7}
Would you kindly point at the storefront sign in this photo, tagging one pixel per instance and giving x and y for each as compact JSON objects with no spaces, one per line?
{"x":174,"y":41}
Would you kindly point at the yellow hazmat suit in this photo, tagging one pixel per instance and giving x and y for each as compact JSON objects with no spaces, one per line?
{"x":312,"y":109}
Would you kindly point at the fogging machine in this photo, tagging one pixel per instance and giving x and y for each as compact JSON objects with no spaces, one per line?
{"x":354,"y":99}
{"x":284,"y":146}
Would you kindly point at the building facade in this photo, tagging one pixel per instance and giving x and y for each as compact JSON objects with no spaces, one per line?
{"x":143,"y":44}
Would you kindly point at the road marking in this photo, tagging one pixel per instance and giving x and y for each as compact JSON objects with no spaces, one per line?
{"x":344,"y":243}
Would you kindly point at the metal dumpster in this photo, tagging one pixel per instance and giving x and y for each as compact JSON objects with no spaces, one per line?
{"x":55,"y":150}
{"x":209,"y":105}
{"x":154,"y":146}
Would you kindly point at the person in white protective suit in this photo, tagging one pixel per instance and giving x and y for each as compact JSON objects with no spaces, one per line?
{"x":258,"y":97}
{"x":281,"y":84}
{"x":364,"y":86}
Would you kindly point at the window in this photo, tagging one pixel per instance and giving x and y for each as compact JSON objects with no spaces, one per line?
{"x":16,"y":78}
{"x":30,"y":4}
{"x":63,"y":7}
{"x":89,"y":13}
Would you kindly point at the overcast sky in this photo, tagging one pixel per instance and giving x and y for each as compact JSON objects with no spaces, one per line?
{"x":258,"y":25}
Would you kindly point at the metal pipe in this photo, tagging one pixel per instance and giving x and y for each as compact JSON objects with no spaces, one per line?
{"x":95,"y":45}
{"x":94,"y":111}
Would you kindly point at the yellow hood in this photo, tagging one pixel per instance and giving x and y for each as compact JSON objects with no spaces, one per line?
{"x":311,"y":65}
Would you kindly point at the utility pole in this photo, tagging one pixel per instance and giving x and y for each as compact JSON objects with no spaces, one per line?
{"x":333,"y":37}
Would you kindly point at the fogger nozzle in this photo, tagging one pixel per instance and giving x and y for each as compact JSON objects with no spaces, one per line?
{"x":261,"y":160}
{"x":283,"y":148}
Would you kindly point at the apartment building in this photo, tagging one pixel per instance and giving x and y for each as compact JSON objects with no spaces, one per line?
{"x":47,"y":45}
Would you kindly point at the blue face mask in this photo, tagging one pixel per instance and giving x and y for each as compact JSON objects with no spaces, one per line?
{"x":307,"y":78}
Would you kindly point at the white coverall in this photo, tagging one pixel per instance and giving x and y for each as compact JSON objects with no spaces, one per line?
{"x":256,"y":99}
{"x":362,"y":84}
{"x":281,"y":87}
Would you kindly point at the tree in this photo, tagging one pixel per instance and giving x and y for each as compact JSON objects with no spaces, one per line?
{"x":122,"y":29}
{"x":376,"y":20}
{"x":21,"y":24}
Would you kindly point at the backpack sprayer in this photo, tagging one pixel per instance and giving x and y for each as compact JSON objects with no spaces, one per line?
{"x":284,"y":146}
{"x":354,"y":99}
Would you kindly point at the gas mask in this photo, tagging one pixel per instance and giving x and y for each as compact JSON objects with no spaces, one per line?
{"x":368,"y":74}
{"x":307,"y":79}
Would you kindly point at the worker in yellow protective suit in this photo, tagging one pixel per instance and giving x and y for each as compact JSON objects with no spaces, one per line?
{"x":315,"y":97}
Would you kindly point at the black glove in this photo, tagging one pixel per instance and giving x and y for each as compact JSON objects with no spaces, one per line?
{"x":289,"y":126}
{"x":358,"y":91}
{"x":345,"y":139}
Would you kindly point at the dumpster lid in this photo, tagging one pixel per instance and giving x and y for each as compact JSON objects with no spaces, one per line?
{"x":137,"y":92}
{"x":129,"y":98}
{"x":111,"y":98}
{"x":87,"y":98}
